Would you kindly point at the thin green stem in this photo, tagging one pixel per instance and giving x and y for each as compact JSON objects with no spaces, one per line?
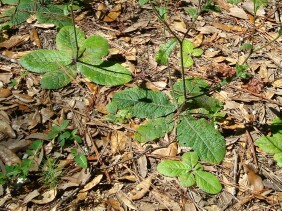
{"x":74,"y":29}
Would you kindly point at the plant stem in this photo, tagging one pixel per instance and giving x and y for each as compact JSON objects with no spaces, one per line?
{"x":75,"y":35}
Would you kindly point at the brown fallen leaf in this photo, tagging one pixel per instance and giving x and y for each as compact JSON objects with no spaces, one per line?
{"x":113,"y":14}
{"x":8,"y":157}
{"x":14,"y":41}
{"x":47,"y":197}
{"x":92,"y":183}
{"x":123,"y":197}
{"x":118,"y":141}
{"x":35,"y":38}
{"x":114,"y":204}
{"x":4,"y":92}
{"x":141,"y":189}
{"x":23,"y":97}
{"x":6,"y":129}
{"x":166,"y":201}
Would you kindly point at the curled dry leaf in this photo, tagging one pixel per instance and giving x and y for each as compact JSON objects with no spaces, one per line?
{"x":92,"y":183}
{"x":118,"y":141}
{"x":8,"y":157}
{"x":31,"y":196}
{"x":141,"y":189}
{"x":6,"y":129}
{"x":23,"y":97}
{"x":47,"y":197}
{"x":14,"y":41}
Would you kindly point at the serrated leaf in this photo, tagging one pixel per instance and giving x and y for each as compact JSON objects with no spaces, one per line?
{"x":41,"y":61}
{"x":201,"y":136}
{"x":187,"y":179}
{"x":172,"y":168}
{"x":81,"y":160}
{"x":190,"y":158}
{"x":165,"y":51}
{"x":194,"y":86}
{"x":57,"y":79}
{"x":142,"y":103}
{"x":207,"y":182}
{"x":65,"y":41}
{"x":53,"y":14}
{"x":96,"y":47}
{"x":107,"y":73}
{"x":155,"y":128}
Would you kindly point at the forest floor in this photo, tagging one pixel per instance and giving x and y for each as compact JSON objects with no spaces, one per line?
{"x":122,"y":172}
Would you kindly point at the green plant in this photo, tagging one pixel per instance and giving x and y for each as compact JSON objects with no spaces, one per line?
{"x":50,"y":173}
{"x":79,"y":158}
{"x":75,"y":53}
{"x":190,"y":172}
{"x":272,"y":144}
{"x":45,"y":11}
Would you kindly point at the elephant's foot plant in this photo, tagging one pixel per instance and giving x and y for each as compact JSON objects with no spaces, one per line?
{"x":75,"y":54}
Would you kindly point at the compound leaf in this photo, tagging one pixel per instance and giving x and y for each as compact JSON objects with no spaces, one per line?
{"x":207,"y":182}
{"x":165,"y":51}
{"x":201,"y":136}
{"x":107,"y":73}
{"x":154,"y":129}
{"x":41,"y":61}
{"x":172,"y":168}
{"x":141,"y":103}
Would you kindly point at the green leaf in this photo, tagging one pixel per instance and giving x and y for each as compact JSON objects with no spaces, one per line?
{"x":210,"y":7}
{"x":246,"y":46}
{"x":270,"y":144}
{"x":79,"y":158}
{"x":194,"y":86}
{"x":65,"y":41}
{"x":64,"y":124}
{"x":191,"y":11}
{"x":187,"y":47}
{"x":53,"y":14}
{"x":187,"y":60}
{"x":190,"y":158}
{"x":241,"y":71}
{"x":41,"y":61}
{"x":172,"y":168}
{"x":207,"y":182}
{"x":234,"y":1}
{"x":201,"y":136}
{"x":142,"y":103}
{"x":11,"y":2}
{"x":165,"y":51}
{"x":142,"y":2}
{"x":57,"y":79}
{"x":107,"y":73}
{"x":280,"y":31}
{"x":197,"y":52}
{"x":55,"y":131}
{"x":96,"y":47}
{"x":278,"y":158}
{"x":36,"y":147}
{"x":276,"y":126}
{"x":162,"y":12}
{"x":187,"y":179}
{"x":209,"y":103}
{"x":23,"y":10}
{"x":258,"y":4}
{"x":154,"y":129}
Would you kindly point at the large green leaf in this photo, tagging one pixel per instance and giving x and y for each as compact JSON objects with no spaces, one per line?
{"x":207,"y":182}
{"x":53,"y":14}
{"x":41,"y":61}
{"x":165,"y":51}
{"x":187,"y":179}
{"x":65,"y":41}
{"x":154,"y":129}
{"x":190,"y":158}
{"x":172,"y":168}
{"x":96,"y":48}
{"x":194,"y":86}
{"x":22,"y":11}
{"x":141,"y":103}
{"x":202,"y":137}
{"x":107,"y":73}
{"x":57,"y":78}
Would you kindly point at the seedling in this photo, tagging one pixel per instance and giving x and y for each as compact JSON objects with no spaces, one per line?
{"x":190,"y":172}
{"x":75,"y":54}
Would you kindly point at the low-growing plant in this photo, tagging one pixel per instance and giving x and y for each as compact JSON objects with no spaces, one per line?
{"x":272,"y":144}
{"x":50,"y":173}
{"x":46,"y":11}
{"x":190,"y":172}
{"x":75,"y":54}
